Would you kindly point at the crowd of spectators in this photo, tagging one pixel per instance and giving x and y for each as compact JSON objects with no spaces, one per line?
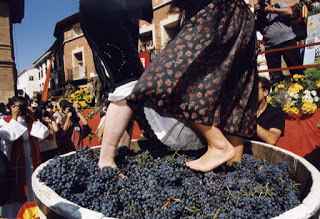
{"x":32,"y":135}
{"x":279,"y":29}
{"x":150,"y":47}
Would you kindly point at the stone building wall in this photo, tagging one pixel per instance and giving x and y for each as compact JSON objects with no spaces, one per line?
{"x":7,"y":64}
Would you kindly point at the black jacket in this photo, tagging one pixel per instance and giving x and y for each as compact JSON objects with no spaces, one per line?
{"x":113,"y":38}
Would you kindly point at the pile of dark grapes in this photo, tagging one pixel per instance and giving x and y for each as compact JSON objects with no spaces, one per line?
{"x":159,"y":185}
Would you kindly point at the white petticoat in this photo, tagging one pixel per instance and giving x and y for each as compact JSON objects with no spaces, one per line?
{"x":169,"y":131}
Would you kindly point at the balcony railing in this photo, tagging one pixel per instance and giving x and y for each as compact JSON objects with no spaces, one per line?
{"x":76,"y":73}
{"x":79,"y":72}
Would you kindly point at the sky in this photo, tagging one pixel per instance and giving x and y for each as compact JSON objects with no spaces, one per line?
{"x":34,"y":35}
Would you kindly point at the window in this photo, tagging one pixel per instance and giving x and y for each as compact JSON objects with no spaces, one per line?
{"x":40,"y":73}
{"x":30,"y":78}
{"x":79,"y":70}
{"x":45,"y":70}
{"x":78,"y":59}
{"x":77,"y":31}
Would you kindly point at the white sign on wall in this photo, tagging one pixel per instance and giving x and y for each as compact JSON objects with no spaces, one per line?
{"x":312,"y":53}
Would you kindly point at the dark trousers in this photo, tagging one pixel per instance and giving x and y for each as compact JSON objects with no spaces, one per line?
{"x":47,"y":155}
{"x":292,"y":57}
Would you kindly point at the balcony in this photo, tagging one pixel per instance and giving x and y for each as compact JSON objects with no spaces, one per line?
{"x":79,"y":72}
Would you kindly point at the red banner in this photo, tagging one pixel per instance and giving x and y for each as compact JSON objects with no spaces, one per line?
{"x":145,"y":58}
{"x":44,"y":96}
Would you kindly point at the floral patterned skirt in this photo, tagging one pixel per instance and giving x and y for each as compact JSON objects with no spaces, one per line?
{"x":207,"y":73}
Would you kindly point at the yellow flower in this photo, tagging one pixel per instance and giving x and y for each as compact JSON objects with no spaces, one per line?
{"x":295,"y":88}
{"x":269,"y":99}
{"x":78,"y":97}
{"x":89,"y":100}
{"x":298,"y":77}
{"x":82,"y":89}
{"x":295,"y":110}
{"x":287,"y":108}
{"x":83,"y":104}
{"x":308,"y":108}
{"x":318,"y":84}
{"x":314,"y":107}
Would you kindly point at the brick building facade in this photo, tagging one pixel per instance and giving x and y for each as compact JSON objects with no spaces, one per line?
{"x":162,"y":27}
{"x":73,"y":59}
{"x":77,"y":55}
{"x":10,"y":12}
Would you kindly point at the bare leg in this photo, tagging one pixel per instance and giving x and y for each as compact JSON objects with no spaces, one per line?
{"x":126,"y":138}
{"x":220,"y":150}
{"x":237,"y":143}
{"x":117,"y":119}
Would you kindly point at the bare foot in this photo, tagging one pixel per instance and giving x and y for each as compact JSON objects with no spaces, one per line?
{"x":107,"y":156}
{"x":103,"y":164}
{"x":213,"y":158}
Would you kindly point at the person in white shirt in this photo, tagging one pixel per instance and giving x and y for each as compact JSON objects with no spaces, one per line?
{"x":262,"y":61}
{"x":8,"y":132}
{"x":22,"y":149}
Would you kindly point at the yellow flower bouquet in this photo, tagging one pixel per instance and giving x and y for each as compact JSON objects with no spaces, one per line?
{"x":80,"y":97}
{"x":296,"y":96}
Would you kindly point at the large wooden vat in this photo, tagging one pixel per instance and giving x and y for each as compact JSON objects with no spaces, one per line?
{"x":53,"y":206}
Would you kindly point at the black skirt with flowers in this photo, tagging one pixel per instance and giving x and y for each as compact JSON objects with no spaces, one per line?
{"x":207,"y":73}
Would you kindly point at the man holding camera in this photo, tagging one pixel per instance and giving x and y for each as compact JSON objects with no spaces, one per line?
{"x":274,"y":23}
{"x":22,"y":149}
{"x":72,"y":128}
{"x":48,"y":146}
